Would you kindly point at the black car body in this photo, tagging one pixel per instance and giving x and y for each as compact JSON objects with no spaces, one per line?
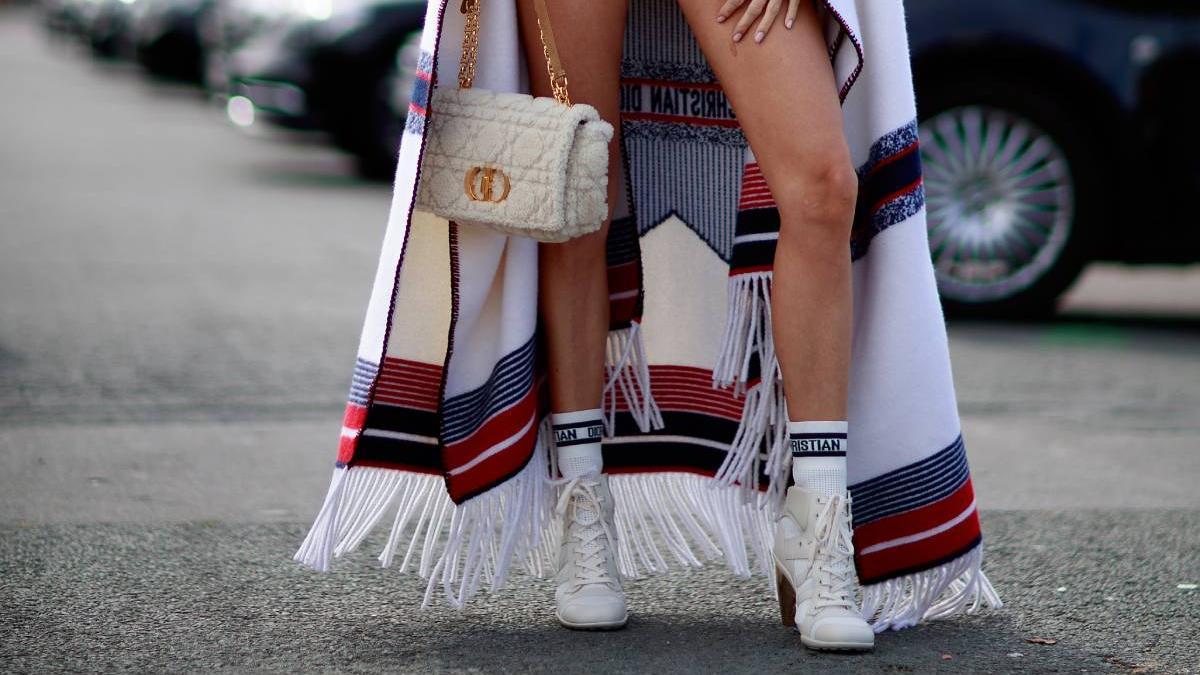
{"x":233,"y":23}
{"x":336,"y":74}
{"x":1104,"y":91}
{"x":110,"y":30}
{"x":104,"y":25}
{"x":166,"y":36}
{"x":66,"y":18}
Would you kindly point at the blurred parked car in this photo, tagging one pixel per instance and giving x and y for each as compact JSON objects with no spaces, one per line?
{"x":1053,"y":133}
{"x":103,"y":25}
{"x":167,"y":37}
{"x":65,"y":17}
{"x":233,"y":23}
{"x":335,"y":71}
{"x":110,"y":27}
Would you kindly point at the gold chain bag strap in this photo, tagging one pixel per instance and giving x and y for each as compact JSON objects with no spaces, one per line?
{"x":523,"y":165}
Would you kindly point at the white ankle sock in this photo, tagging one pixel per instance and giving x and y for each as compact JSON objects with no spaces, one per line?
{"x":819,"y":455}
{"x":577,"y":436}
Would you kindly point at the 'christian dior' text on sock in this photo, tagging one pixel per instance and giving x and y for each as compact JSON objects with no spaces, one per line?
{"x":819,"y":454}
{"x":578,"y":432}
{"x":577,"y":439}
{"x":817,"y":444}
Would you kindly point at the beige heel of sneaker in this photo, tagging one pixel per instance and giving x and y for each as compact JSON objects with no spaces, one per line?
{"x":787,"y":598}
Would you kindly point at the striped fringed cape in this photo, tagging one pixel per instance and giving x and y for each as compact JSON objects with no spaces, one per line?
{"x":446,"y":432}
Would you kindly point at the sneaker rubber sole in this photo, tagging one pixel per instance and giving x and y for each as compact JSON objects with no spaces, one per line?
{"x":837,"y":646}
{"x":597,"y":625}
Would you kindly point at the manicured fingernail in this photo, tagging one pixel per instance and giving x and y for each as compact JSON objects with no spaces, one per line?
{"x":758,"y":37}
{"x":737,"y":37}
{"x":789,"y":22}
{"x":720,"y":18}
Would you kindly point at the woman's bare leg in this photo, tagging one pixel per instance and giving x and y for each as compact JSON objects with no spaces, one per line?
{"x":573,"y":300}
{"x":784,"y":94}
{"x":573,"y":282}
{"x":785,"y":97}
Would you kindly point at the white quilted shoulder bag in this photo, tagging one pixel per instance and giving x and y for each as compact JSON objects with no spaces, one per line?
{"x":523,"y":165}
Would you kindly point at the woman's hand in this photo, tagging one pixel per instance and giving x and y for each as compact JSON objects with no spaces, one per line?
{"x":767,"y":9}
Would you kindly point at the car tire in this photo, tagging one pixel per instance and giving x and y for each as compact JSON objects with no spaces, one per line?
{"x":1015,"y":193}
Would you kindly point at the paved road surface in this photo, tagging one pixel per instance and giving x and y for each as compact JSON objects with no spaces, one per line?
{"x":179,"y":305}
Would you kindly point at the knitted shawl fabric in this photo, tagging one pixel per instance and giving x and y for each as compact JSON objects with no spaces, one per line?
{"x":445,"y":444}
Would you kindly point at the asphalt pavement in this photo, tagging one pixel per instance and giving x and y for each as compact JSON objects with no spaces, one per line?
{"x":179,"y":309}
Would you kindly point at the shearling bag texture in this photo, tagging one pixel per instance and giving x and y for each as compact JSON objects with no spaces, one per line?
{"x":546,"y":164}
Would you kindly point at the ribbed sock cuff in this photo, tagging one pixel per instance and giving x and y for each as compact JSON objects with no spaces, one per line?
{"x":819,"y":455}
{"x":577,"y":441}
{"x":817,"y":439}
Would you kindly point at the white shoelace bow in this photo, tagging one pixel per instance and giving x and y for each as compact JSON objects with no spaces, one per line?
{"x":589,"y":560}
{"x":835,"y":555}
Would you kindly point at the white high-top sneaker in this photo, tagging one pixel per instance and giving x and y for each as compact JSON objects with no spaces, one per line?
{"x":589,"y":593}
{"x":814,"y":568}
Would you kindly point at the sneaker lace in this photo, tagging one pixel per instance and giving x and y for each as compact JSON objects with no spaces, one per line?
{"x":590,"y":552}
{"x":835,"y":555}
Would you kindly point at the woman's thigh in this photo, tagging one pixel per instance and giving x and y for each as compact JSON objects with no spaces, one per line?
{"x":783,"y":91}
{"x":589,"y":35}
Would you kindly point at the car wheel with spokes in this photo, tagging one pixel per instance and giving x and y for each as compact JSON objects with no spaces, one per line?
{"x":1011,"y":192}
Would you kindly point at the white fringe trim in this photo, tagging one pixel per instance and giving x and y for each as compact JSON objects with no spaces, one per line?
{"x":747,"y":328}
{"x":626,"y":366}
{"x":684,"y":516}
{"x":764,"y":419}
{"x":956,"y":587}
{"x":461,"y":546}
{"x":661,"y":520}
{"x":764,"y":413}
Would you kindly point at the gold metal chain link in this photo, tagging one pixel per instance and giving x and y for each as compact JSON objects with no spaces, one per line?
{"x":558,"y":74}
{"x":470,"y":44}
{"x":470,"y":49}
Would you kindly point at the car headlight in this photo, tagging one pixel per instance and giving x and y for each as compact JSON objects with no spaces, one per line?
{"x":343,"y":11}
{"x":317,"y":10}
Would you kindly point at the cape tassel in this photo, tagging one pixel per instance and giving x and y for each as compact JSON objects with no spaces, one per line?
{"x":779,"y":458}
{"x":761,"y":435}
{"x":955,"y":587}
{"x":662,"y":520}
{"x":626,"y":367}
{"x":747,"y":328}
{"x":458,"y":546}
{"x":684,"y":519}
